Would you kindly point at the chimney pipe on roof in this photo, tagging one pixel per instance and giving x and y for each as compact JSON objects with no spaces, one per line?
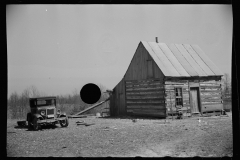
{"x":156,"y":39}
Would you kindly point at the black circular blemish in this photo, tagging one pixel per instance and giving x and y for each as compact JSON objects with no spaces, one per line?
{"x":90,"y":93}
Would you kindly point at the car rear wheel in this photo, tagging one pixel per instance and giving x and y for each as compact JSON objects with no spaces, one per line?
{"x":64,"y":123}
{"x":30,"y":126}
{"x":36,"y":126}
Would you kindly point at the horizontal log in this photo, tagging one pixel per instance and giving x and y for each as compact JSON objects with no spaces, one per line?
{"x":143,"y":82}
{"x":209,"y":85}
{"x":144,"y":93}
{"x":152,"y":100}
{"x":210,"y":103}
{"x":146,"y":110}
{"x":211,"y":100}
{"x":212,"y":107}
{"x":168,"y":100}
{"x":211,"y":82}
{"x":144,"y":96}
{"x":170,"y":104}
{"x":211,"y":91}
{"x":145,"y":89}
{"x":185,"y":97}
{"x":169,"y":97}
{"x":175,"y":86}
{"x":147,"y":107}
{"x":177,"y":82}
{"x":211,"y":97}
{"x":205,"y":94}
{"x":187,"y":105}
{"x":145,"y":104}
{"x":143,"y":85}
{"x":144,"y":101}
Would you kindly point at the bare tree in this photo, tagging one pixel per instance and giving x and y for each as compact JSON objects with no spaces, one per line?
{"x":33,"y":91}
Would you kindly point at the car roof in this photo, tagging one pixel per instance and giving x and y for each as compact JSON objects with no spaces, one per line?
{"x":42,"y":98}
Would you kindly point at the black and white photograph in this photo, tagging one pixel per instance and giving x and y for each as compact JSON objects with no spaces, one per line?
{"x":120,"y":80}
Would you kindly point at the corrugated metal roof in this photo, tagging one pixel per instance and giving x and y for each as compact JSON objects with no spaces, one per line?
{"x":181,"y":60}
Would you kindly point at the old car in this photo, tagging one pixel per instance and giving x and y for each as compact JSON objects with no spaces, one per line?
{"x":44,"y":112}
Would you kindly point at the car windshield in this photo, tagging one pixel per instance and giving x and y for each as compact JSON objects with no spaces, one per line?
{"x":40,"y":103}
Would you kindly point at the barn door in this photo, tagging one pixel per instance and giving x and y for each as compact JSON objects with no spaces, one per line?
{"x":195,"y":105}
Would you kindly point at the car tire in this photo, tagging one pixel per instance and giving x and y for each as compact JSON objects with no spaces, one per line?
{"x":36,"y":126}
{"x":64,"y":123}
{"x":30,"y":126}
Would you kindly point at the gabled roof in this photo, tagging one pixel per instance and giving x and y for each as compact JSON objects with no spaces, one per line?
{"x":181,"y":60}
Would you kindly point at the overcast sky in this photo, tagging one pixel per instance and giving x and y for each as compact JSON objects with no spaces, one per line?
{"x":59,"y":48}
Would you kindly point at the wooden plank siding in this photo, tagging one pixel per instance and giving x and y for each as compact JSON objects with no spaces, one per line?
{"x":117,"y":100}
{"x":145,"y":96}
{"x":211,"y":95}
{"x":170,"y":94}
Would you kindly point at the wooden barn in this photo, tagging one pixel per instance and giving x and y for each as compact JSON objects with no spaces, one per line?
{"x":162,"y":77}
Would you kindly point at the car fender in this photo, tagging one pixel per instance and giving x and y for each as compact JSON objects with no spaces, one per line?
{"x":63,"y":115}
{"x":38,"y":116}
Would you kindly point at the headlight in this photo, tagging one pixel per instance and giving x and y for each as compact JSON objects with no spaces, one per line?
{"x":42,"y":113}
{"x":58,"y":111}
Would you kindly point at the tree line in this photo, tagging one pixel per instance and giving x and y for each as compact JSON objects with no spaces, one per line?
{"x":18,"y":104}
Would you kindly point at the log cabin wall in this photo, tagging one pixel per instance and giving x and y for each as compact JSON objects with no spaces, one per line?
{"x":145,"y":97}
{"x":211,"y":95}
{"x":170,"y":94}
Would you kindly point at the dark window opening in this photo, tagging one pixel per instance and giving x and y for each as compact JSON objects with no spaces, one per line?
{"x":178,"y":96}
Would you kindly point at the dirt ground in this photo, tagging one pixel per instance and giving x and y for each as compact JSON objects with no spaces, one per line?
{"x":115,"y":137}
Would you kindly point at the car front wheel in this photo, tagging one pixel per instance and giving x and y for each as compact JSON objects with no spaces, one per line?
{"x":64,"y":123}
